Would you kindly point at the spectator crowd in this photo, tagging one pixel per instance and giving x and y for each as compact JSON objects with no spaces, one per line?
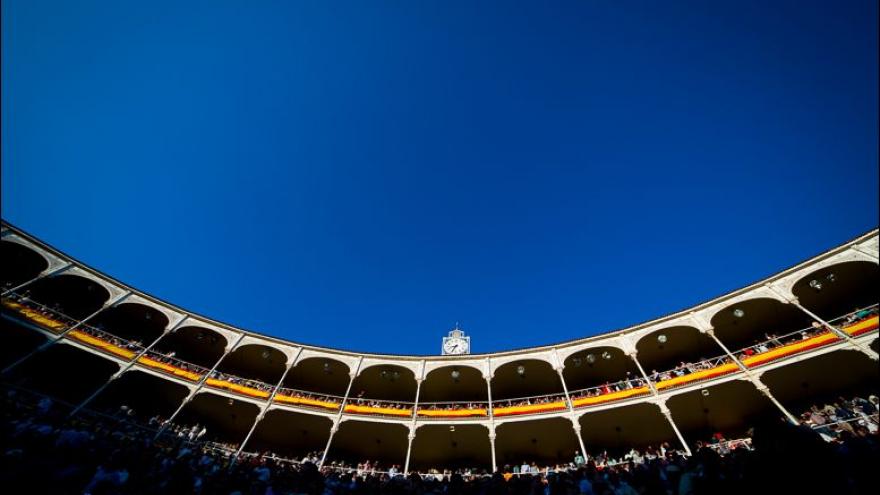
{"x":46,"y":451}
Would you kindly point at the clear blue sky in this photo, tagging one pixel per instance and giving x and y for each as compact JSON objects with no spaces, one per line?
{"x":363,"y":175}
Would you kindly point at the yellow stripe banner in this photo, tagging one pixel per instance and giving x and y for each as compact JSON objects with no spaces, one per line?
{"x":623,"y":394}
{"x":34,"y":316}
{"x":698,"y":376}
{"x":306,"y":402}
{"x":453,"y":413}
{"x":241,"y":389}
{"x":862,"y":327}
{"x":101,"y":344}
{"x":529,"y":409}
{"x":386,"y":411}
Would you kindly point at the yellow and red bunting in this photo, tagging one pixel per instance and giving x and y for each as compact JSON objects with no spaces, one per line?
{"x":32,"y":315}
{"x":287,"y":399}
{"x":862,"y":327}
{"x":240,"y":389}
{"x":167,"y":368}
{"x":454,"y":413}
{"x":384,"y":411}
{"x":529,"y":409}
{"x":715,"y":372}
{"x":789,"y":349}
{"x":101,"y":344}
{"x":610,"y":397}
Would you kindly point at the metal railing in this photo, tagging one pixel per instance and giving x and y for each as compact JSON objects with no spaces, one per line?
{"x":452,"y":410}
{"x":55,"y":321}
{"x":613,"y":391}
{"x":675,"y":377}
{"x":242,"y":386}
{"x":51,"y":319}
{"x":172,"y":365}
{"x":773,"y":342}
{"x":379,"y":407}
{"x":304,"y":398}
{"x":105,"y":341}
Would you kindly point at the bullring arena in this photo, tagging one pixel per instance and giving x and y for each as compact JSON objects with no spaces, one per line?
{"x":797,"y":348}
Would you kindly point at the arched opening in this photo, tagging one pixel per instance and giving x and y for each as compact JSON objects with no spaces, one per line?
{"x":20,"y":264}
{"x":673,"y":348}
{"x":746,"y":323}
{"x":143,"y":394}
{"x":133,"y":322}
{"x":839,"y":289}
{"x":724,"y":411}
{"x":19,"y":341}
{"x":290,"y":434}
{"x":64,"y":372}
{"x":462,"y":384}
{"x":359,"y":441}
{"x":544,"y":441}
{"x":192,"y":344}
{"x":319,"y":375}
{"x":451,"y":447}
{"x":225,"y":420}
{"x":600,"y":367}
{"x":385,"y":382}
{"x":74,"y":296}
{"x":616,"y":431}
{"x":525,"y":378}
{"x":255,"y":362}
{"x":823,"y":379}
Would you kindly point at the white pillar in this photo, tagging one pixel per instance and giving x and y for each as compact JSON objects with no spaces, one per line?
{"x":577,"y":429}
{"x":489,"y":394}
{"x":565,"y":390}
{"x":711,"y":333}
{"x":492,"y":443}
{"x":840,"y":333}
{"x":410,"y":437}
{"x":63,"y":334}
{"x":168,"y":329}
{"x":335,"y":427}
{"x":632,"y":354}
{"x":198,"y":387}
{"x":668,"y":414}
{"x":765,"y":390}
{"x":268,"y":403}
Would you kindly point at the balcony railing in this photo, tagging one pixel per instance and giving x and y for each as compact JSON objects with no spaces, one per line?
{"x":376,"y":407}
{"x":774,"y":348}
{"x":452,"y":410}
{"x":609,"y":392}
{"x":51,"y":319}
{"x":105,"y":341}
{"x":539,"y":404}
{"x":238,"y":385}
{"x":687,"y":373}
{"x":171,"y":365}
{"x":304,"y":398}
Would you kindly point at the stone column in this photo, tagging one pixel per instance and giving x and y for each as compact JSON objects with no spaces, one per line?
{"x":668,"y":414}
{"x":840,"y":333}
{"x":268,"y":403}
{"x":335,"y":427}
{"x":411,"y":436}
{"x":198,"y":386}
{"x":168,"y":329}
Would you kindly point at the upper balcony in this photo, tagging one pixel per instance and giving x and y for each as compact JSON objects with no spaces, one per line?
{"x":757,"y":327}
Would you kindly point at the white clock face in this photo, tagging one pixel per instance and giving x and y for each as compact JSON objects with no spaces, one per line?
{"x":455,"y":345}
